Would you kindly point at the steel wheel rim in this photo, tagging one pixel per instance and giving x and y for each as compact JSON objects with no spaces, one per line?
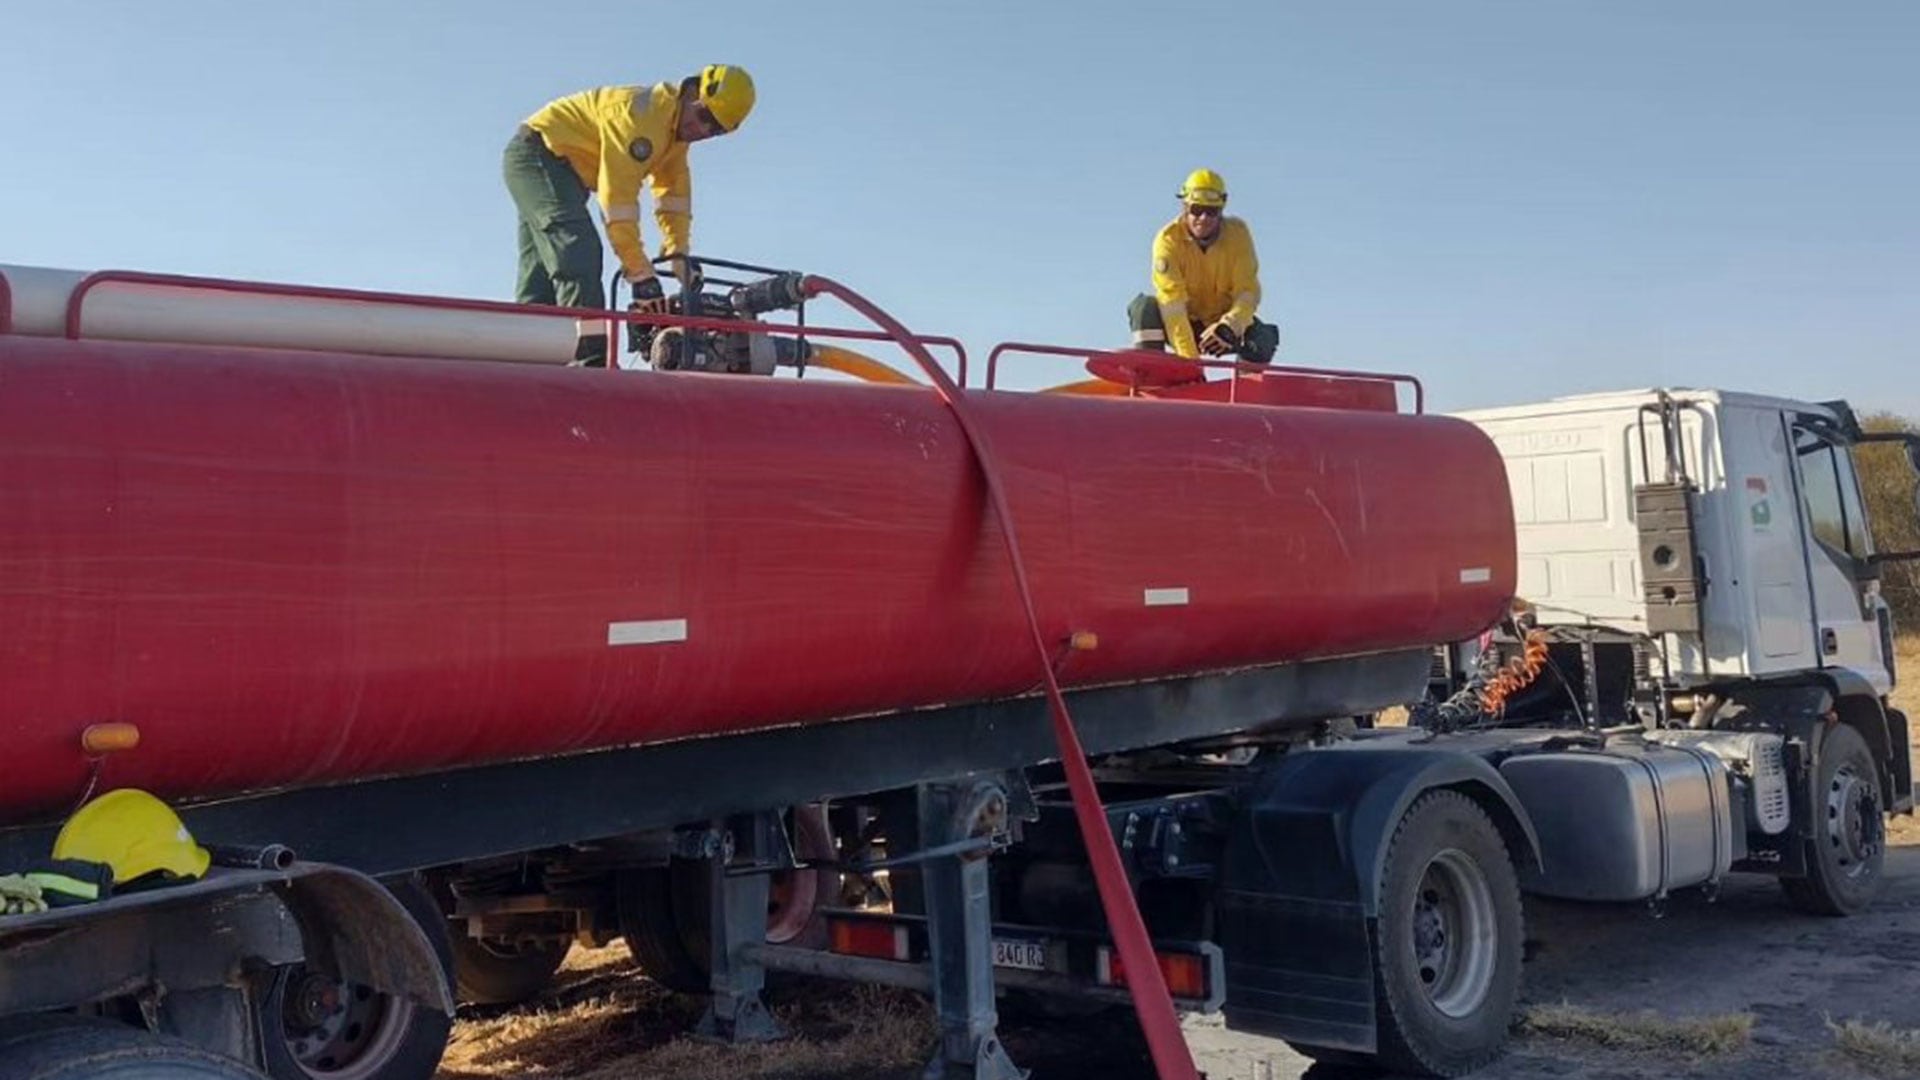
{"x":795,"y":896}
{"x":792,"y":898}
{"x":340,"y":1030}
{"x":1455,"y":939}
{"x":1853,"y":820}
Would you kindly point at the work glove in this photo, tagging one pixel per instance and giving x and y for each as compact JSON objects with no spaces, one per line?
{"x":18,"y":896}
{"x":648,"y":296}
{"x":1219,"y":340}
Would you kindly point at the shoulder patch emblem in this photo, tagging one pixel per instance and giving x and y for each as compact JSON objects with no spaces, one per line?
{"x":1160,"y":265}
{"x":641,"y":149}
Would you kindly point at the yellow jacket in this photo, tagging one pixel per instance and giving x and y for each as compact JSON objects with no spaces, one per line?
{"x":1220,"y":282}
{"x":615,"y":137}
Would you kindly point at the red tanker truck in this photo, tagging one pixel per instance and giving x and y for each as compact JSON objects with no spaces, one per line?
{"x":453,"y":654}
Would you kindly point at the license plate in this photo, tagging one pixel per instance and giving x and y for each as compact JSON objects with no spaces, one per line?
{"x":1024,"y":955}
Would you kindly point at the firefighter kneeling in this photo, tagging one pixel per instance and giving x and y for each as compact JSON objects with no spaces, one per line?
{"x":1206,"y":282}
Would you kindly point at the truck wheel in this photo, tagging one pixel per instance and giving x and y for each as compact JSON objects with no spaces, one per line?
{"x":797,"y":899}
{"x":499,"y":973}
{"x":79,"y":1048}
{"x":1848,"y":852}
{"x":659,"y":938}
{"x":317,"y":1027}
{"x":1447,"y":942}
{"x":665,"y":913}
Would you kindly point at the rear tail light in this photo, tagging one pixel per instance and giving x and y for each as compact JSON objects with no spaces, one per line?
{"x":876,"y":940}
{"x":1186,"y":973}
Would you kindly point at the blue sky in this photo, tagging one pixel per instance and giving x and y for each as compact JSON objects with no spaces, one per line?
{"x":1508,"y":198}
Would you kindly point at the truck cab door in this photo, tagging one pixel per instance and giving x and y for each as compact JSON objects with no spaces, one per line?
{"x":1848,"y":615}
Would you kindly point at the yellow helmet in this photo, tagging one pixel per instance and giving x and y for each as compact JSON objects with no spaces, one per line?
{"x":1204,"y":187}
{"x":134,"y":833}
{"x":727,"y":93}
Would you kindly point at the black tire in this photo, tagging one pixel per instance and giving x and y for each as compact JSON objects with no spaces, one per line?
{"x":395,"y":1038}
{"x":666,"y":913}
{"x":1447,"y":943}
{"x":1846,"y":859}
{"x":488,"y":973}
{"x":79,"y":1048}
{"x":668,"y":942}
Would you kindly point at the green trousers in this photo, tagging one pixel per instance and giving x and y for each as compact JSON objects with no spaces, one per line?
{"x":1150,"y":332}
{"x":560,"y":256}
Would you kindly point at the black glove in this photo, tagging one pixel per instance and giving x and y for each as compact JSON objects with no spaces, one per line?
{"x":1219,"y":340}
{"x":651,"y":298}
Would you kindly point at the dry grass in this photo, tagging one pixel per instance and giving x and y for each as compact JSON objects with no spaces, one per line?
{"x":1880,"y":1047}
{"x":1906,"y":655}
{"x":1906,"y":698}
{"x":604,"y":1020}
{"x":859,"y":1029}
{"x":1691,"y":1036}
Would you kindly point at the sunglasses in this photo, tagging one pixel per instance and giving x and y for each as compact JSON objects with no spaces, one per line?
{"x":1204,"y":211}
{"x":708,"y":125}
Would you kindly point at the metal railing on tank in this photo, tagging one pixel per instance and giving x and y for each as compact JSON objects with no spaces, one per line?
{"x":772,"y":289}
{"x":1137,"y":369}
{"x":76,"y":308}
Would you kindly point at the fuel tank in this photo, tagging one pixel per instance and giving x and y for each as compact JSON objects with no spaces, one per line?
{"x":293,"y":567}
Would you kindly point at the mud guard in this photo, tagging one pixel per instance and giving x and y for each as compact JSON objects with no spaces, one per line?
{"x":1300,"y":881}
{"x":1860,"y":705}
{"x":196,"y":936}
{"x":354,"y":926}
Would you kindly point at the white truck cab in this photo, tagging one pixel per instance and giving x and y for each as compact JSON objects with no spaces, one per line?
{"x":1608,"y":490}
{"x":1697,"y":583}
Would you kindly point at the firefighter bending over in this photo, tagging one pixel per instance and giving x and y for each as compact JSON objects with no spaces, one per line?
{"x":605,"y":142}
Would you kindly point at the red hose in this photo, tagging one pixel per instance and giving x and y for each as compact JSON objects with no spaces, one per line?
{"x":1151,"y":1001}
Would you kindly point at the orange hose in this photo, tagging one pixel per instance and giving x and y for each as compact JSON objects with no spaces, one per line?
{"x":865,"y":368}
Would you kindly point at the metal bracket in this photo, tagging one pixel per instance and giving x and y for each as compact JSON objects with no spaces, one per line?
{"x":703,"y":842}
{"x":1168,"y":837}
{"x":738,"y":917}
{"x":990,"y":1062}
{"x":1672,"y":583}
{"x":960,"y":924}
{"x":743,"y":1020}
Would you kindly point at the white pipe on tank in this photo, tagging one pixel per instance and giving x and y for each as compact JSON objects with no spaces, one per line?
{"x":128,"y":311}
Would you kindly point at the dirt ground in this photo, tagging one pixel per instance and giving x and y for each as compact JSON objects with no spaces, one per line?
{"x":1744,"y":961}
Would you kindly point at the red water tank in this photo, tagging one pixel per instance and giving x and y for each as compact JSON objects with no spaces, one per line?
{"x":297,"y":567}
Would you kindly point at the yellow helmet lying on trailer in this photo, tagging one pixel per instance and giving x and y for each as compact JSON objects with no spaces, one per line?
{"x":134,"y":833}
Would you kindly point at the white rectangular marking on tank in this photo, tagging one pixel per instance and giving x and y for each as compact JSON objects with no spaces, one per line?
{"x":1476,"y":575}
{"x":651,"y":632}
{"x":1166,"y":597}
